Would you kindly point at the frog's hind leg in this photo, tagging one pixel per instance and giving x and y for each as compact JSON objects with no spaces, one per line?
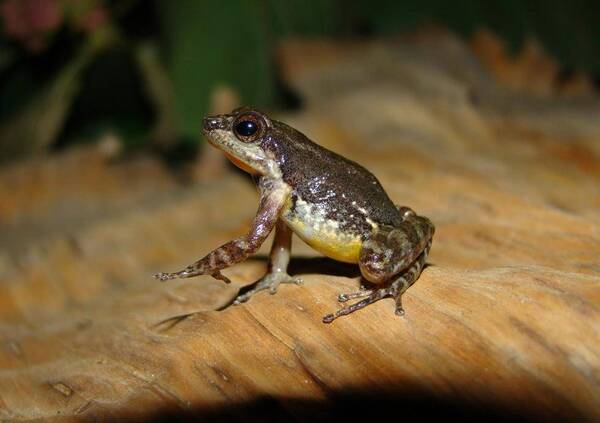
{"x":391,"y":250}
{"x":392,"y":258}
{"x":395,"y":289}
{"x":407,"y":278}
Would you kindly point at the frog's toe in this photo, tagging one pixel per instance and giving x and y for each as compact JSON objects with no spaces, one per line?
{"x":371,"y":297}
{"x":270,"y":281}
{"x":342,"y":298}
{"x":399,"y":309}
{"x":241,"y":299}
{"x":363,"y":292}
{"x":163,"y":276}
{"x":273,"y":280}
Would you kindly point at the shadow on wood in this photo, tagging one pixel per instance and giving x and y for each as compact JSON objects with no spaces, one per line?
{"x":366,"y":405}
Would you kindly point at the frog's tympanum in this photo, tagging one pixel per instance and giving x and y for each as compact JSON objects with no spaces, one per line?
{"x":335,"y":205}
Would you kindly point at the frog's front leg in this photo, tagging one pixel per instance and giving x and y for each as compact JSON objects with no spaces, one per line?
{"x":279,"y":259}
{"x":392,"y":258}
{"x":273,"y":195}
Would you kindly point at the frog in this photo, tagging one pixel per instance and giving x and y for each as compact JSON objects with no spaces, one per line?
{"x":332,"y":203}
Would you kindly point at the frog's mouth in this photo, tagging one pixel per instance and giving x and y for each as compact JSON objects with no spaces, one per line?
{"x":233,"y":159}
{"x":246,"y":156}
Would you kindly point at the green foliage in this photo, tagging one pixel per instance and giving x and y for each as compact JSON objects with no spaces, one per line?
{"x":304,"y":17}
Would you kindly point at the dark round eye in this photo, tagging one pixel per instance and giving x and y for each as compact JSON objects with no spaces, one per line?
{"x":249,"y":127}
{"x":246,"y":128}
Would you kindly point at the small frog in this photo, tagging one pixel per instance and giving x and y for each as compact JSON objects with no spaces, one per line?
{"x":335,"y":205}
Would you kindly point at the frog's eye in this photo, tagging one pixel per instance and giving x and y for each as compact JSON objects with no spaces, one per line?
{"x":248,"y":128}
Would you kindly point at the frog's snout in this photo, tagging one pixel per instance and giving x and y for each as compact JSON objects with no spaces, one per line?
{"x":210,"y":123}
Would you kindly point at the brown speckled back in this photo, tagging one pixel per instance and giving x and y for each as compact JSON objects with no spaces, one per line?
{"x":344,"y":190}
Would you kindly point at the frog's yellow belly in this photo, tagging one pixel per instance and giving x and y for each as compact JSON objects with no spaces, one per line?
{"x":324,"y":235}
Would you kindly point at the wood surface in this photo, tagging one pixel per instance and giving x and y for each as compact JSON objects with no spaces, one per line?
{"x":503,"y":325}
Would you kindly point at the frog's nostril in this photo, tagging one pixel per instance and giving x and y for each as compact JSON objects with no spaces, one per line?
{"x":211,"y":123}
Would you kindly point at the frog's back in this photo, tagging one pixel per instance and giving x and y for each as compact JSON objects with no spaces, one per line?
{"x":334,"y":200}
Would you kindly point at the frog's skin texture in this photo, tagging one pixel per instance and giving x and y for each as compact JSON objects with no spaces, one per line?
{"x":334,"y":204}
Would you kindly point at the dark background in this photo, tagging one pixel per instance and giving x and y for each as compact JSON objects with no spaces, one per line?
{"x":70,"y":70}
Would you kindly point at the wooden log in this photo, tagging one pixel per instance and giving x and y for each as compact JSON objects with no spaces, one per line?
{"x":503,"y":324}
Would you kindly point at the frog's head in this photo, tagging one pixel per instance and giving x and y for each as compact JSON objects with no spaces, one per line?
{"x":239,"y":135}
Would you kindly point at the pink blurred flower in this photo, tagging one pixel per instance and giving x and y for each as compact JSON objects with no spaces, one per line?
{"x":29,"y":21}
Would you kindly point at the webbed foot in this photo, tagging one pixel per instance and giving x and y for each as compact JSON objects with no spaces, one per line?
{"x":270,"y":281}
{"x":372,"y":296}
{"x":395,"y":289}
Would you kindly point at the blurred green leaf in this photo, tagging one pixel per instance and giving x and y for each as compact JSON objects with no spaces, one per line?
{"x":306,"y":17}
{"x":212,"y":43}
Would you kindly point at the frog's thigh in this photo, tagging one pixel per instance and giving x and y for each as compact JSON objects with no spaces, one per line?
{"x":391,"y":250}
